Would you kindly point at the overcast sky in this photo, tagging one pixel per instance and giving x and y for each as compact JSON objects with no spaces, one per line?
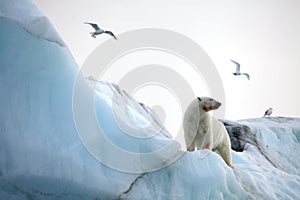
{"x":262,"y":35}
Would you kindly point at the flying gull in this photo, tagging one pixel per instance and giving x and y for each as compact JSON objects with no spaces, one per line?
{"x":268,"y":112}
{"x":99,"y":31}
{"x":238,"y":70}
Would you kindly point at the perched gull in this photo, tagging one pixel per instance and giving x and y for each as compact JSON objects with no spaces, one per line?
{"x":268,"y":112}
{"x":238,"y":70}
{"x":99,"y":31}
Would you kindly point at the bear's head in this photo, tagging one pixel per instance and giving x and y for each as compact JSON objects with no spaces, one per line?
{"x":208,"y":104}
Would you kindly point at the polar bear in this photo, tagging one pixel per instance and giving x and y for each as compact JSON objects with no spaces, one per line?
{"x":205,"y":132}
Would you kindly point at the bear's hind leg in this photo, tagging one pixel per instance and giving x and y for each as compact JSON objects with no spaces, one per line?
{"x":224,"y":151}
{"x":191,"y":147}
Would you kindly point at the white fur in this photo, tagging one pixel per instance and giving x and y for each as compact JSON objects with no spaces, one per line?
{"x":203,"y":131}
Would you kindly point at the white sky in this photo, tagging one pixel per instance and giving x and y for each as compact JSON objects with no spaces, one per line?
{"x":262,"y":35}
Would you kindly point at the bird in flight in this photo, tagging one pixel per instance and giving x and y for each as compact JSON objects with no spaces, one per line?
{"x":99,"y":31}
{"x":238,"y":70}
{"x":268,"y":112}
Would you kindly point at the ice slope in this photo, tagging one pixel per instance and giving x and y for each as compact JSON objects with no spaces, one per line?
{"x":267,"y":164}
{"x":42,"y":155}
{"x":279,"y":139}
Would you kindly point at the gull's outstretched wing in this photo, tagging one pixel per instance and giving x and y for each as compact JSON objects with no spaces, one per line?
{"x":247,"y":75}
{"x":95,"y":26}
{"x":238,"y":66}
{"x":111,"y":34}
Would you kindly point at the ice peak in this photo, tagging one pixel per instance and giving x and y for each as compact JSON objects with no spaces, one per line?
{"x":26,"y":13}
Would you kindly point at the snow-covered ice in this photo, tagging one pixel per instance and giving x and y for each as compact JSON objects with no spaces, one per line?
{"x":43,"y":156}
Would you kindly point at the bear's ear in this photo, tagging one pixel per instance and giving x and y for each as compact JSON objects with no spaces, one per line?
{"x":199,"y":99}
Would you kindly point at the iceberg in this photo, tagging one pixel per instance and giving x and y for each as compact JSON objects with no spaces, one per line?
{"x":44,"y":153}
